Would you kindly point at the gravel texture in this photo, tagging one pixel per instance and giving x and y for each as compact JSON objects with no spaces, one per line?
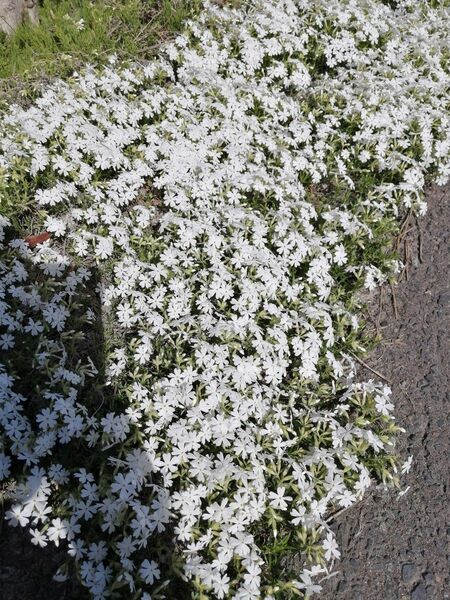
{"x":392,"y":548}
{"x":399,"y":548}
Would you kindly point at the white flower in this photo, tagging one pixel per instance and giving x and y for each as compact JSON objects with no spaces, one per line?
{"x":278,"y":499}
{"x":7,"y":341}
{"x":307,"y":584}
{"x":34,"y":327}
{"x":76,"y":548}
{"x":38,"y":538}
{"x":57,"y":531}
{"x":340,"y":255}
{"x":5,"y":465}
{"x":330,"y":546}
{"x":383,"y":405}
{"x":56,"y":226}
{"x":104,"y":248}
{"x":19,"y":515}
{"x":149,"y":571}
{"x":298,"y":515}
{"x":406,"y":466}
{"x":245,"y":371}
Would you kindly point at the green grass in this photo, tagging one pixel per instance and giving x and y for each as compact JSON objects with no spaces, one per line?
{"x":60,"y":44}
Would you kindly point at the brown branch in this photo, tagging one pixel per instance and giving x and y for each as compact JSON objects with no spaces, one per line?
{"x":374,"y":371}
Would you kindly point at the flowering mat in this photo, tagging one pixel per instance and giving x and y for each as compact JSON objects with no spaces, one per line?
{"x":182,"y":322}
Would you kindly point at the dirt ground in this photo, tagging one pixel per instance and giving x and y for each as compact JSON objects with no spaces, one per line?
{"x":392,"y":548}
{"x":26,"y":573}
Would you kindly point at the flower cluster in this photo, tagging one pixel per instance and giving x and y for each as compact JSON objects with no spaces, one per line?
{"x":213,"y":214}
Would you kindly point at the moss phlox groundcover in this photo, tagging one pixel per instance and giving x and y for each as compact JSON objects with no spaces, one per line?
{"x":214,"y":215}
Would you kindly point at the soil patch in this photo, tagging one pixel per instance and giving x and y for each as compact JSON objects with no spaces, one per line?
{"x":26,"y":572}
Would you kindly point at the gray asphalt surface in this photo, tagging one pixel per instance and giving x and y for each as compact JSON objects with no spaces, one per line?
{"x":399,"y":549}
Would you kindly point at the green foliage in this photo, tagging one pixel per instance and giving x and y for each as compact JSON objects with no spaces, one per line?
{"x":75,"y":32}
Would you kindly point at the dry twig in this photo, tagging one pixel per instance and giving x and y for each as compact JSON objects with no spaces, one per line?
{"x":394,"y":301}
{"x":374,"y":371}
